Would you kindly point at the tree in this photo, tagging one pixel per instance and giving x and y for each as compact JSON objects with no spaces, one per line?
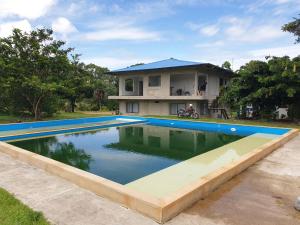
{"x":32,"y":67}
{"x":103,"y":84}
{"x":264,"y":85}
{"x":294,"y":28}
{"x":78,"y":83}
{"x":67,"y":153}
{"x":226,"y":65}
{"x":137,"y":64}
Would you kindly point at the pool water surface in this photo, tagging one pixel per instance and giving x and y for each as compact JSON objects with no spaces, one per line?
{"x":126,"y":153}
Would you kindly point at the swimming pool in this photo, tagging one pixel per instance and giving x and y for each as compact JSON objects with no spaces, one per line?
{"x":126,"y":153}
{"x":155,"y":166}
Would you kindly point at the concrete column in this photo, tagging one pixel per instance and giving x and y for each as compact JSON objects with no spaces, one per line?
{"x":196,"y":84}
{"x":195,"y":141}
{"x":121,"y":85}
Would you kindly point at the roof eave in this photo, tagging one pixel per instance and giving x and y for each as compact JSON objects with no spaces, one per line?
{"x":227,"y":72}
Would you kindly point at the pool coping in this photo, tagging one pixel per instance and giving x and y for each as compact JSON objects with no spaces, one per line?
{"x":72,"y":130}
{"x":159,"y":209}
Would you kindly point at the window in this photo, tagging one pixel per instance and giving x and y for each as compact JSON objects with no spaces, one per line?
{"x":154,"y":81}
{"x":175,"y":107}
{"x":154,"y":141}
{"x":221,"y":82}
{"x":132,"y":107}
{"x":129,"y":85}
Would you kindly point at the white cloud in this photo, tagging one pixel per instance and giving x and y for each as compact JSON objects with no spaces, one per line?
{"x":253,"y":33}
{"x":74,"y":7}
{"x":63,"y":26}
{"x":291,"y":51}
{"x":6,"y":28}
{"x":207,"y":30}
{"x":210,"y":44}
{"x":282,"y":1}
{"x":122,"y":33}
{"x":116,"y":63}
{"x":95,"y":8}
{"x":278,"y":6}
{"x":260,"y":54}
{"x":210,"y":30}
{"x":242,"y":57}
{"x":78,"y":8}
{"x":30,"y":9}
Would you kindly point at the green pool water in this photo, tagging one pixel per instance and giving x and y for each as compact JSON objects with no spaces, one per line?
{"x":126,"y":153}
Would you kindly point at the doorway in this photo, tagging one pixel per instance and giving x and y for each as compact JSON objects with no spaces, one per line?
{"x":141,"y":87}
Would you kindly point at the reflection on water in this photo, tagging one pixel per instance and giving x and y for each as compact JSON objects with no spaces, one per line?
{"x":170,"y":143}
{"x":127,"y":153}
{"x":65,"y":152}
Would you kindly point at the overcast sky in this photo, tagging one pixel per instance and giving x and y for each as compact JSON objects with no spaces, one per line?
{"x":119,"y":33}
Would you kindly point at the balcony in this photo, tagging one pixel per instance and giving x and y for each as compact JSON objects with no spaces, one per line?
{"x":132,"y":97}
{"x":178,"y":87}
{"x":188,"y":85}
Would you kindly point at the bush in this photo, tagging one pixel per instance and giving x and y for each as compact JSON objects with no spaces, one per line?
{"x":294,"y":111}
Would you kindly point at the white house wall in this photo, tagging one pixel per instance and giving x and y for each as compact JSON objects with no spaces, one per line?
{"x":153,"y":102}
{"x":155,"y":107}
{"x":212,"y":87}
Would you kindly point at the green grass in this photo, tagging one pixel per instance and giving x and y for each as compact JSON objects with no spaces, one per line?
{"x":13,"y":212}
{"x":57,"y":116}
{"x":243,"y":122}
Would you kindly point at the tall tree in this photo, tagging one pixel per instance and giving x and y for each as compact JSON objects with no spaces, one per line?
{"x":103,"y":84}
{"x":78,"y":83}
{"x":34,"y":65}
{"x":294,"y":28}
{"x":265,"y":85}
{"x":226,"y":65}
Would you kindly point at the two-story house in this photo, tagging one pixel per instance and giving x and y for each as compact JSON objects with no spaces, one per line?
{"x":164,"y":87}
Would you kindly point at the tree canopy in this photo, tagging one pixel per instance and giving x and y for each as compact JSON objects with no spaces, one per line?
{"x":294,"y":28}
{"x":226,"y":65}
{"x":37,"y":73}
{"x":33,"y":66}
{"x":264,"y":85}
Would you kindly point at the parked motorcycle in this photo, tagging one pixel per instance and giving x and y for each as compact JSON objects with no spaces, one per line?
{"x":182,"y":113}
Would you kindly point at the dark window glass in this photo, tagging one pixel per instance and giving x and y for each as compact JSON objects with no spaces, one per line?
{"x":221,"y":82}
{"x":154,"y":81}
{"x":154,"y":141}
{"x":129,"y":85}
{"x":132,"y":107}
{"x":175,"y":107}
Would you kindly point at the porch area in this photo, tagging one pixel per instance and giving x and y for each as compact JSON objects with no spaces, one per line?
{"x":192,"y":84}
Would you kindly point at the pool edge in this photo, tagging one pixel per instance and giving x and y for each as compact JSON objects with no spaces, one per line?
{"x":147,"y":205}
{"x":161,"y":210}
{"x":173,"y":205}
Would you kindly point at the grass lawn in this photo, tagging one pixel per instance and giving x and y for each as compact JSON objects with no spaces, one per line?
{"x":57,"y":116}
{"x":13,"y":212}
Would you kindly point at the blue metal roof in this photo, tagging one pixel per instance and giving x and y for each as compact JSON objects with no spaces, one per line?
{"x":167,"y":63}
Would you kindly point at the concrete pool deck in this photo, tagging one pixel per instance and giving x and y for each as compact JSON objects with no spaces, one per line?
{"x":171,"y":180}
{"x":263,"y":194}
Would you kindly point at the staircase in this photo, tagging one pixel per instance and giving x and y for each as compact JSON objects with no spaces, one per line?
{"x":215,"y":109}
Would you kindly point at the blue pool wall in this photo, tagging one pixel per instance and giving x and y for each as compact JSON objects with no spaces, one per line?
{"x":50,"y":123}
{"x":242,"y":130}
{"x":233,"y":129}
